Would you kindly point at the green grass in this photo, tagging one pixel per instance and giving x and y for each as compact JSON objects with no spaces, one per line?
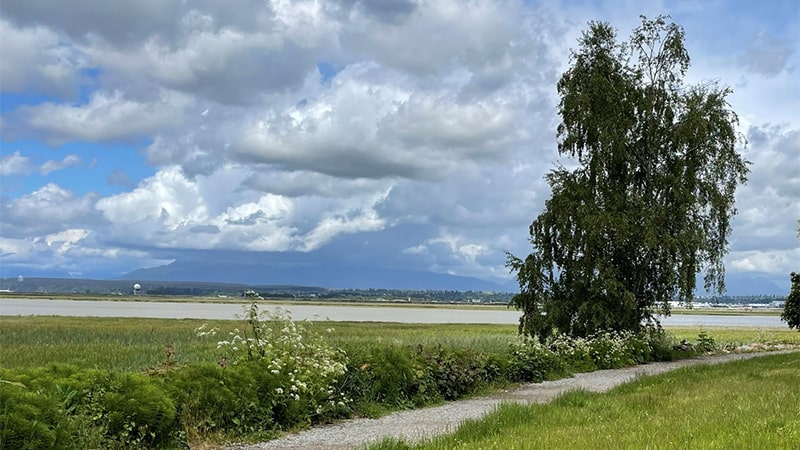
{"x":135,"y":344}
{"x":738,"y":335}
{"x":746,"y":404}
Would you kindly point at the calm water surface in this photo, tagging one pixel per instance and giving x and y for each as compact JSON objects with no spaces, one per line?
{"x":338,"y":313}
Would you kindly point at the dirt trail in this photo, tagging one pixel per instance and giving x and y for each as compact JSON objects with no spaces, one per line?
{"x":417,"y":424}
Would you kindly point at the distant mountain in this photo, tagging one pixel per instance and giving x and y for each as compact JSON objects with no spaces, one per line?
{"x":310,"y":274}
{"x":751,"y":283}
{"x":305,"y":272}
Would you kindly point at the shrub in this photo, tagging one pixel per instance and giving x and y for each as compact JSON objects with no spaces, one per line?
{"x":214,"y":399}
{"x":705,"y":343}
{"x":533,"y":361}
{"x":30,"y":420}
{"x":306,"y":369}
{"x":132,"y":408}
{"x":456,"y":372}
{"x":385,"y":375}
{"x":575,"y":352}
{"x":65,"y":407}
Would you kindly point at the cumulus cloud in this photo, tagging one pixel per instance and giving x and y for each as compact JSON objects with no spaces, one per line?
{"x":50,"y":209}
{"x":107,"y":116}
{"x":361,"y":129}
{"x":170,"y":210}
{"x":35,"y":59}
{"x":413,"y":133}
{"x":15,"y":164}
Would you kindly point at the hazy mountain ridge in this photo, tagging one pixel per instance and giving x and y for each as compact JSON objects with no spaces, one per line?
{"x":310,"y":274}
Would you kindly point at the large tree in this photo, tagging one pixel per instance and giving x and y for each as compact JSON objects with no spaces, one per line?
{"x":645,"y":203}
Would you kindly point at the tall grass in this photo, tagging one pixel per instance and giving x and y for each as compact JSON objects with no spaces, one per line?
{"x":744,"y":404}
{"x":136,"y":344}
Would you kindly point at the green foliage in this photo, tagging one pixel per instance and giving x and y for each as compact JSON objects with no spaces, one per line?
{"x":387,"y":376}
{"x":649,"y":204}
{"x":456,"y":373}
{"x":174,"y":405}
{"x":307,"y":369}
{"x":534,"y":361}
{"x":705,"y":343}
{"x":791,"y":309}
{"x":214,"y":399}
{"x":67,"y":407}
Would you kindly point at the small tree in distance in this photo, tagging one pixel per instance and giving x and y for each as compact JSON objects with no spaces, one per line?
{"x":648,"y":203}
{"x":791,"y":309}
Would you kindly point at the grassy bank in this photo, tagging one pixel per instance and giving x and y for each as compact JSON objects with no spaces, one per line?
{"x":745,"y":404}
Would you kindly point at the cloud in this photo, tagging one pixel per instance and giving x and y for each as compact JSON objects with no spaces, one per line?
{"x":35,"y":59}
{"x":405,"y":133}
{"x":108,"y":116}
{"x":766,"y":55}
{"x":361,"y":129}
{"x":15,"y":164}
{"x":50,"y":209}
{"x":170,"y":210}
{"x":52,"y":166}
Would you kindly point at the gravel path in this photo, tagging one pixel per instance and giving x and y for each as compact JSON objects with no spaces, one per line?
{"x":417,"y":424}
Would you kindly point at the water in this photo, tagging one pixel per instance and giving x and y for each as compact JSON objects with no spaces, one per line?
{"x":337,"y":313}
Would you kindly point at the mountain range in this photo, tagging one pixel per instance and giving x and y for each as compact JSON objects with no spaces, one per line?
{"x":353,"y":276}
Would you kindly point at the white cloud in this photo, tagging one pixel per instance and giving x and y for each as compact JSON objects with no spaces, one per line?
{"x":169,"y":210}
{"x":36,"y":59}
{"x":363,"y":129}
{"x":52,"y":165}
{"x":435,"y":116}
{"x":107,"y":116}
{"x":47,"y":210}
{"x":15,"y":164}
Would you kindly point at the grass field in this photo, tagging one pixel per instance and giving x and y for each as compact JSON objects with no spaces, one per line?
{"x":135,"y":344}
{"x":753,"y":404}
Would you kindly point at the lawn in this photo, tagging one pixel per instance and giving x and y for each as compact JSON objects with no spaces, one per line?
{"x":745,"y":404}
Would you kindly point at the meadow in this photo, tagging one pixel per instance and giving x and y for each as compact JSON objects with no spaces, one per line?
{"x":745,"y":404}
{"x":73,"y":374}
{"x":136,"y":344}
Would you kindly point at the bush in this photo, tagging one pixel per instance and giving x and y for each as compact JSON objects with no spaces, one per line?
{"x":533,"y":361}
{"x":306,"y":369}
{"x":30,"y":420}
{"x":386,"y":376}
{"x":216,"y":399}
{"x":456,"y":373}
{"x":64,"y":407}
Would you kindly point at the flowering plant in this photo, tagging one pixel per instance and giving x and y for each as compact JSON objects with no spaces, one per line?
{"x":307,"y":369}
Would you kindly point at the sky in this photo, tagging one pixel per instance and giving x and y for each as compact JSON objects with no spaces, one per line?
{"x":399,"y":133}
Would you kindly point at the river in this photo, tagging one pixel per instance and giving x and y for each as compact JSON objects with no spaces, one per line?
{"x":336,"y":313}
